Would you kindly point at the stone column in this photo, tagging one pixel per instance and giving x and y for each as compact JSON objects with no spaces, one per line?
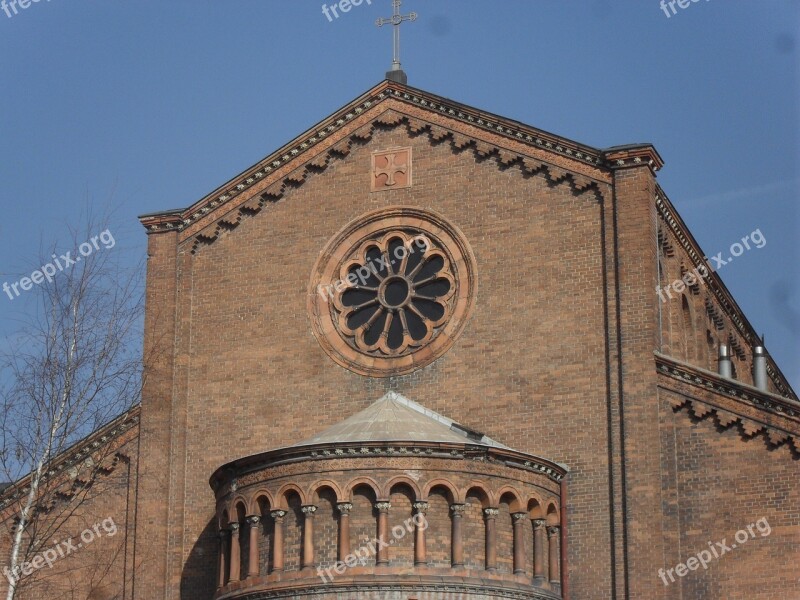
{"x":236,"y":559}
{"x":420,"y":525}
{"x":555,"y":562}
{"x":223,"y":556}
{"x":490,"y":516}
{"x":539,"y":576}
{"x":457,"y":536}
{"x":344,"y":529}
{"x":277,"y":540}
{"x":308,"y":536}
{"x":253,"y":558}
{"x":383,"y":532}
{"x":519,"y":541}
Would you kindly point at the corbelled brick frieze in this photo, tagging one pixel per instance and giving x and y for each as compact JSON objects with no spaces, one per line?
{"x":391,"y":105}
{"x":100,"y":442}
{"x":725,"y":302}
{"x":277,"y":186}
{"x":732,"y":403}
{"x":482,"y":461}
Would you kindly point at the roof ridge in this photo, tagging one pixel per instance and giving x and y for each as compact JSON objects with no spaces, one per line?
{"x":432,"y":414}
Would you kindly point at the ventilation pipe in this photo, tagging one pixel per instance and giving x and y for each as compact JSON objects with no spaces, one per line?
{"x":760,"y":368}
{"x":724,"y":361}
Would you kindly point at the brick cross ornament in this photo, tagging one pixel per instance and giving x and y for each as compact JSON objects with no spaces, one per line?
{"x":391,"y":169}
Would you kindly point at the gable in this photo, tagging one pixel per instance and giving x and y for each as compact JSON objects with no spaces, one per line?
{"x":392,"y":105}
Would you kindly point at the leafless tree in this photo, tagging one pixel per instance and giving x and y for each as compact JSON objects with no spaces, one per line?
{"x":75,"y":366}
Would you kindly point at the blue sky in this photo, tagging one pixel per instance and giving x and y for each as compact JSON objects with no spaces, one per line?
{"x":143,"y":106}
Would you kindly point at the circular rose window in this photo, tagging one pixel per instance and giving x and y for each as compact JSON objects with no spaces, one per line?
{"x":391,"y":291}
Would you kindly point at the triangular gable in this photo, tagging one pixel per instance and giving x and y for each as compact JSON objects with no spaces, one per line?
{"x":391,"y":104}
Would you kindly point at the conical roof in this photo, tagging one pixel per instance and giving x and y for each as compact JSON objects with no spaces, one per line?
{"x":395,"y":418}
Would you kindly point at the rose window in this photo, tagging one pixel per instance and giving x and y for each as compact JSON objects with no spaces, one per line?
{"x":391,"y":291}
{"x":401,"y":291}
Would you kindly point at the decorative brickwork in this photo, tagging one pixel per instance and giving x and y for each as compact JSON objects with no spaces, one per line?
{"x":392,"y":290}
{"x":554,"y":356}
{"x":391,"y":169}
{"x":451,"y":489}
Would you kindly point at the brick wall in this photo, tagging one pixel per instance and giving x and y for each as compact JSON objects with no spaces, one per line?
{"x":91,"y":534}
{"x":716,"y":482}
{"x":249,"y":290}
{"x":536,"y":366}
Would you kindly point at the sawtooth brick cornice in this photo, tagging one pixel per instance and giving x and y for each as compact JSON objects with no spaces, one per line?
{"x":77,"y":454}
{"x":714,"y":284}
{"x":731,"y":402}
{"x":389,"y":104}
{"x":206,"y":231}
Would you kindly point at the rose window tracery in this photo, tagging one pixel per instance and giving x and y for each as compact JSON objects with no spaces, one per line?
{"x":402,"y":291}
{"x":391,"y":291}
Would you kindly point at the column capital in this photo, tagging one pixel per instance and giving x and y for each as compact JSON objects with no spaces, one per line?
{"x":538,"y":523}
{"x":344,"y":507}
{"x":553,"y":531}
{"x":490,"y":513}
{"x":277,"y":514}
{"x":518,"y":517}
{"x":309,"y":510}
{"x":421,"y":507}
{"x":383,"y":506}
{"x":234,"y":527}
{"x":458,"y":509}
{"x":253,"y":561}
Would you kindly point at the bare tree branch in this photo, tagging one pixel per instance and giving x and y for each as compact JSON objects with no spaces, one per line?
{"x":76,"y":366}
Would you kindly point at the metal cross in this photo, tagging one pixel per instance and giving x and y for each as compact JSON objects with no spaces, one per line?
{"x":396,"y":19}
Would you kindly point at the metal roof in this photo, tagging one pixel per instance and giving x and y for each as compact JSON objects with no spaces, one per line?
{"x":395,"y":418}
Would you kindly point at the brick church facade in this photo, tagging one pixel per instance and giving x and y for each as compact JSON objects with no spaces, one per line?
{"x":418,"y":353}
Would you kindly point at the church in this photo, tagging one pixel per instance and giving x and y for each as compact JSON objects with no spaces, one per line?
{"x":420,"y":353}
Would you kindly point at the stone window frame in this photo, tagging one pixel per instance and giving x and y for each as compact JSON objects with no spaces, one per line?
{"x":374,"y":225}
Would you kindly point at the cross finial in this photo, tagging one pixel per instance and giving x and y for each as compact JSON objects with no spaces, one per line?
{"x":396,"y":73}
